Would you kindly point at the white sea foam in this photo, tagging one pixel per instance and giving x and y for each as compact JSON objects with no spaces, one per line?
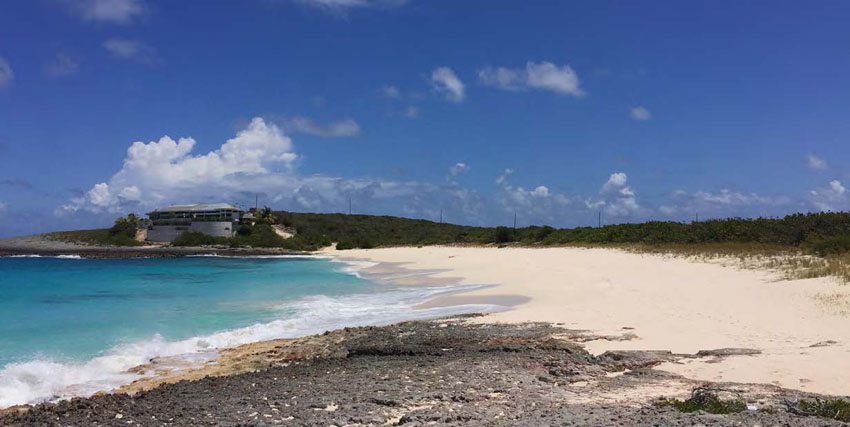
{"x":353,"y":267}
{"x":261,"y":256}
{"x":43,"y":256}
{"x":41,"y":380}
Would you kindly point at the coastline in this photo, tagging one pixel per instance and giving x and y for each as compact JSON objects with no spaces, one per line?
{"x":605,"y":312}
{"x":41,"y":246}
{"x":652,"y":302}
{"x":392,"y":306}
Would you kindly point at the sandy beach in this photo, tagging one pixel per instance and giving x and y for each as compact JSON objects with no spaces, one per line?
{"x":650,"y":302}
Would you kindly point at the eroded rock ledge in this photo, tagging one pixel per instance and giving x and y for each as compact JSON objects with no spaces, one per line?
{"x":445,"y":372}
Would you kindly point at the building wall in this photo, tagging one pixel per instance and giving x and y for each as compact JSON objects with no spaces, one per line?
{"x":165,"y":233}
{"x":218,"y":229}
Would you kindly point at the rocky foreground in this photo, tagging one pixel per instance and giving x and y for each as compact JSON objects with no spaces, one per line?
{"x":445,"y":372}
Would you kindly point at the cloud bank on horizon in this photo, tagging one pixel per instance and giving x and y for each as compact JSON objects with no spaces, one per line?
{"x":261,"y":159}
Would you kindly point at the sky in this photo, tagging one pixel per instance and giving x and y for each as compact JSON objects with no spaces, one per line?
{"x":554,"y":111}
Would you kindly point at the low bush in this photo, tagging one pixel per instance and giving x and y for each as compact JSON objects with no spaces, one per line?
{"x":704,"y":399}
{"x":836,"y":409}
{"x":191,"y":238}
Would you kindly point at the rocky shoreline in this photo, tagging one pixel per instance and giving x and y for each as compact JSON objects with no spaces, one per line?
{"x":42,"y":246}
{"x":443,"y":372}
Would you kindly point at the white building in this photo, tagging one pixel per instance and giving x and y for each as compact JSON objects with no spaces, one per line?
{"x":214,"y":219}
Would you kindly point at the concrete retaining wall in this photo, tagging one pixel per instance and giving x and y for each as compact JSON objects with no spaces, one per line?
{"x":165,"y":233}
{"x":218,"y":229}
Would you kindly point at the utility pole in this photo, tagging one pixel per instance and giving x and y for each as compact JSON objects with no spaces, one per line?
{"x":349,"y":205}
{"x":256,"y":201}
{"x":697,"y":217}
{"x":599,"y":219}
{"x":441,"y":216}
{"x":514,"y":220}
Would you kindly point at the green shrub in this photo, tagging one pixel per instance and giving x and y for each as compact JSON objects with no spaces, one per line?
{"x":831,"y":245}
{"x":703,"y":399}
{"x":503,"y":235}
{"x":836,"y":409}
{"x":191,"y":238}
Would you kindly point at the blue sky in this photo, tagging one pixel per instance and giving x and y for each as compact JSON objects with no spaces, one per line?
{"x":554,"y":110}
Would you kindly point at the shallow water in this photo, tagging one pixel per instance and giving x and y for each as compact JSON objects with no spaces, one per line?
{"x":72,"y":327}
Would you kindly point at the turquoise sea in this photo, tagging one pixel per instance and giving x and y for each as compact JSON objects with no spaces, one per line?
{"x":71,"y":327}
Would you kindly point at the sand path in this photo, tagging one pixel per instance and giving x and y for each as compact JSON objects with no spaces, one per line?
{"x":801,"y":326}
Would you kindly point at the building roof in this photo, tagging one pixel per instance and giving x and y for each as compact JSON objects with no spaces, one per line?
{"x":199,"y":207}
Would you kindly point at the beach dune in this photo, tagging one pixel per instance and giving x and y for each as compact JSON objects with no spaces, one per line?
{"x":653,"y":302}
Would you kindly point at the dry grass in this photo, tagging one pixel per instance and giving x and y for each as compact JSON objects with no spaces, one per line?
{"x":835,"y":303}
{"x":786,"y":262}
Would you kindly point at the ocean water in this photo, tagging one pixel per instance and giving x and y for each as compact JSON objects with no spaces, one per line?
{"x":72,"y":327}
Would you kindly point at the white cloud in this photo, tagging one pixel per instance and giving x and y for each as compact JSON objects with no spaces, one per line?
{"x":258,"y":160}
{"x":816,"y":163}
{"x":541,"y":76}
{"x":62,"y":64}
{"x":831,"y":198}
{"x":503,"y":177}
{"x":616,"y":181}
{"x":338,"y":129}
{"x":537,"y":206}
{"x":502,"y":78}
{"x":640,"y":113}
{"x":108,"y":11}
{"x":540,"y":191}
{"x":390,"y":91}
{"x":722,"y":203}
{"x":158,"y":170}
{"x":458,"y":169}
{"x":6,"y":74}
{"x":130,"y":50}
{"x":445,"y":82}
{"x":618,"y":198}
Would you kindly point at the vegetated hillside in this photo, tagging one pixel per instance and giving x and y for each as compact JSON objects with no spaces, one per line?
{"x":819,"y":233}
{"x":822,"y":233}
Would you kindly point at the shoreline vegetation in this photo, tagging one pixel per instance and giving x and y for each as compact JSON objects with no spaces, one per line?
{"x":797,"y":246}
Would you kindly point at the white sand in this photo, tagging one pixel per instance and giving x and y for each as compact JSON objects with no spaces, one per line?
{"x":672,"y":304}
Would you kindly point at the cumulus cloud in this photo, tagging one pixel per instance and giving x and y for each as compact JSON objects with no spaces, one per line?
{"x":108,"y":11}
{"x":259,"y":160}
{"x":640,"y":113}
{"x":131,"y":50}
{"x":503,"y":177}
{"x":816,"y":163}
{"x":445,"y":82}
{"x":541,"y":76}
{"x":458,"y":169}
{"x":540,"y":191}
{"x":6,"y":74}
{"x":160,"y":170}
{"x":539,"y":205}
{"x":618,"y":198}
{"x":338,"y":129}
{"x":722,"y":203}
{"x":62,"y":64}
{"x":833,"y":197}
